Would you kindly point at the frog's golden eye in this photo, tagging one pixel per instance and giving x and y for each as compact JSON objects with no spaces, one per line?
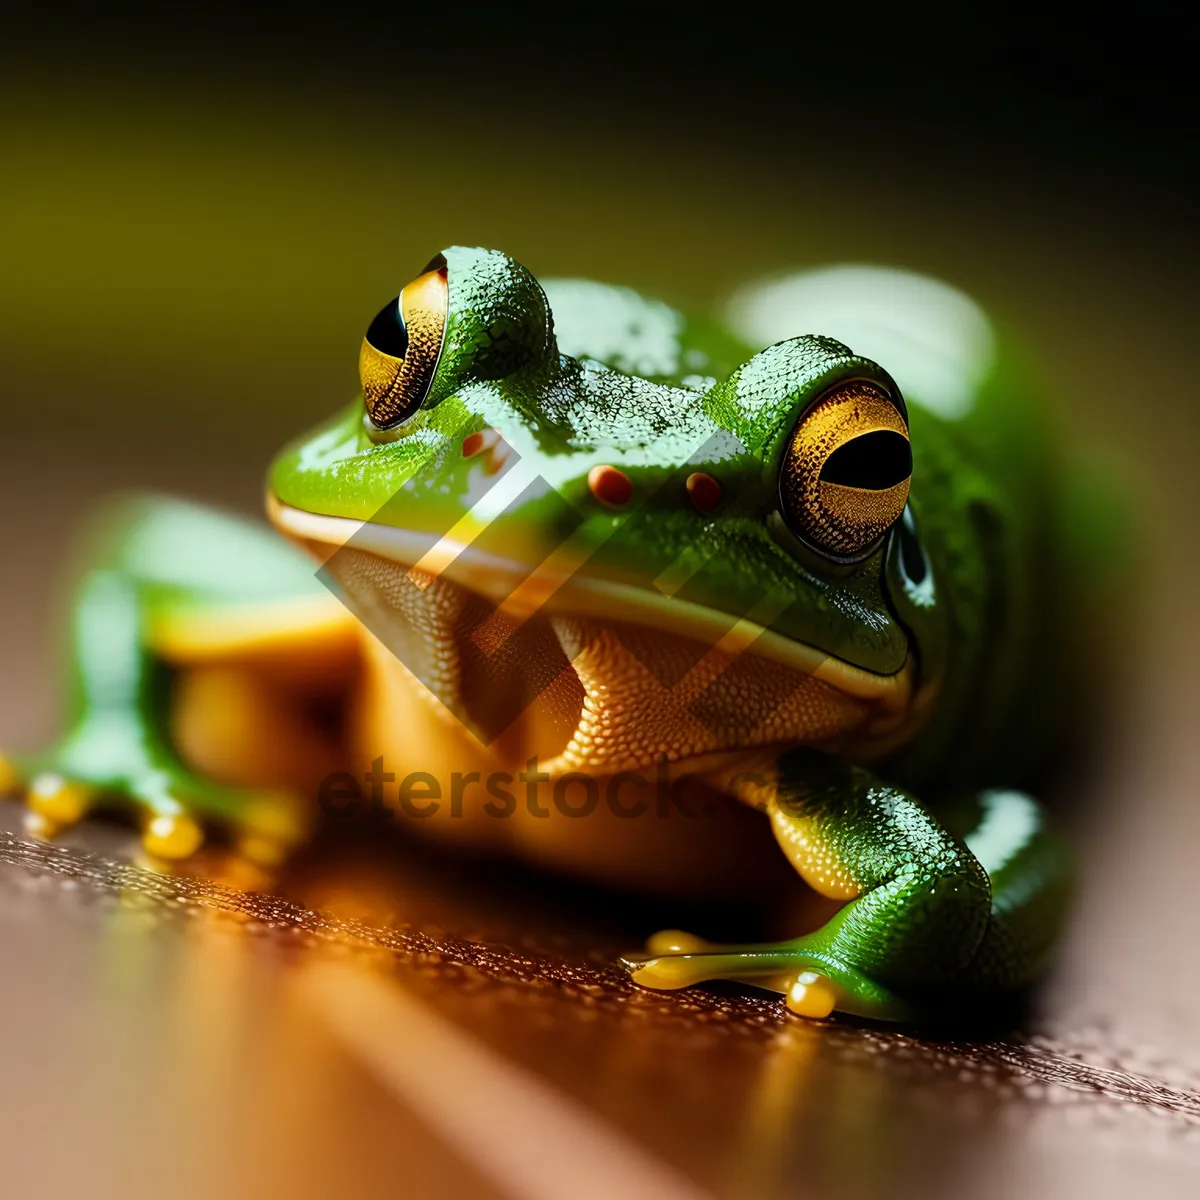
{"x":846,"y":468}
{"x":400,"y":353}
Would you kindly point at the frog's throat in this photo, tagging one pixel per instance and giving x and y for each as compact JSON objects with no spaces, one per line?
{"x":551,"y":590}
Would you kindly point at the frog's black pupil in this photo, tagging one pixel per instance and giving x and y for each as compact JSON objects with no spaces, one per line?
{"x":387,"y":333}
{"x":911,"y":558}
{"x":876,"y":460}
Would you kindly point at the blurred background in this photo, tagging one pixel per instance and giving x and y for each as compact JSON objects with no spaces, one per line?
{"x":201,"y":210}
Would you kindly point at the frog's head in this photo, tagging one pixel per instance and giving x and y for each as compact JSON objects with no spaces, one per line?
{"x":702,"y":525}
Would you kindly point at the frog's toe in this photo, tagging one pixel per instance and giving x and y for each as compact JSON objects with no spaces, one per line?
{"x":175,"y":809}
{"x":809,"y":993}
{"x":171,"y":836}
{"x":55,"y":802}
{"x":676,"y":959}
{"x":812,"y":995}
{"x":262,"y":827}
{"x":675,"y":941}
{"x":814,"y":984}
{"x":695,"y":962}
{"x":667,"y":972}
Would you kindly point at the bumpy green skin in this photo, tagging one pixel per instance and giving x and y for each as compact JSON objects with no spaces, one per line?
{"x":962,"y":890}
{"x":565,"y":415}
{"x":957,"y":909}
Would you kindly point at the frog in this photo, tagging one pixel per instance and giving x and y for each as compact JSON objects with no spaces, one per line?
{"x":612,"y":583}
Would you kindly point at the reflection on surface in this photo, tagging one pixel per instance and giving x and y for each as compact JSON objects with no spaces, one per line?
{"x":245,"y":1043}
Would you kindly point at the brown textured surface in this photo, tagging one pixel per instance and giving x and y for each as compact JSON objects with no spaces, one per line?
{"x":121,"y":972}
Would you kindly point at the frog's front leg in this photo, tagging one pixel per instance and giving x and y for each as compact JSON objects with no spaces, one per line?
{"x":929,"y":917}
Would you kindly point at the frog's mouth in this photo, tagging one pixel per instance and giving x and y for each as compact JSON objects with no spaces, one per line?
{"x":841,"y":699}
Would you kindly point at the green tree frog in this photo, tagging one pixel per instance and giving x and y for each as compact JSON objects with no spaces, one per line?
{"x":577,"y":575}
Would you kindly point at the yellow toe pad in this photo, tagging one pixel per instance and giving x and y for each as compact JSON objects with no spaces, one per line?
{"x":58,"y":801}
{"x":812,"y":995}
{"x":172,"y":836}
